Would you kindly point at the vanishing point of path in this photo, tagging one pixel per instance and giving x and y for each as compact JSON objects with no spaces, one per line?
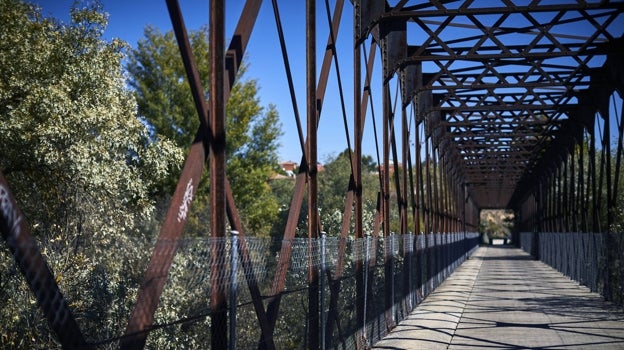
{"x":503,"y":299}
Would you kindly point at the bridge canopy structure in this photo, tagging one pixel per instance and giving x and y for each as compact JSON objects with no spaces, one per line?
{"x":505,"y":86}
{"x":499,"y":104}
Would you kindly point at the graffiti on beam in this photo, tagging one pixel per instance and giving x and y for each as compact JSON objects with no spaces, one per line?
{"x":186,"y":201}
{"x":12,"y":217}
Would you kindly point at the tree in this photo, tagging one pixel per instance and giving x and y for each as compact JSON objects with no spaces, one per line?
{"x":333,"y":187}
{"x":165,"y":103}
{"x":81,"y":165}
{"x":496,"y":223}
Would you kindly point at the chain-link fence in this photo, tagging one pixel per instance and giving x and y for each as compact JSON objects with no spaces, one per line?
{"x":592,"y":259}
{"x":399,"y":271}
{"x":396,"y":273}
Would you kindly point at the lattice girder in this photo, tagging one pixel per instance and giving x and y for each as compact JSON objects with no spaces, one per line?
{"x":504,"y":76}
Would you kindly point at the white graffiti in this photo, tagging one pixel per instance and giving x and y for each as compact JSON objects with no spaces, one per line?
{"x":9,"y":214}
{"x":186,"y":201}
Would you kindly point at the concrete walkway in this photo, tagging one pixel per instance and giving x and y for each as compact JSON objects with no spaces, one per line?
{"x":503,"y":299}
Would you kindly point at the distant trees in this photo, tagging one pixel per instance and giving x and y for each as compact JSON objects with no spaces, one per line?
{"x":496,"y":223}
{"x":333,"y":182}
{"x":333,"y":187}
{"x":165,"y":104}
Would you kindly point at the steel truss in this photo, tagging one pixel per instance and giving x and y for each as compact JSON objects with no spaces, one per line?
{"x":501,"y":106}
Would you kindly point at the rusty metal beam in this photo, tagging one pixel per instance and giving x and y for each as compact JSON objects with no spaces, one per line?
{"x":358,"y":127}
{"x":442,"y":11}
{"x":37,"y":272}
{"x":298,"y":194}
{"x":353,"y":199}
{"x":312,"y":151}
{"x":361,"y":104}
{"x":166,"y":246}
{"x":218,"y":306}
{"x":504,"y":107}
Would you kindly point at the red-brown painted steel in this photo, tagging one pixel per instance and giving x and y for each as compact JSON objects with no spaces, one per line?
{"x":218,"y":306}
{"x":298,"y":192}
{"x":166,"y":246}
{"x":38,"y":275}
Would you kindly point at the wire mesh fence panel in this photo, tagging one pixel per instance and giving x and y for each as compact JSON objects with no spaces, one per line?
{"x":183,"y":316}
{"x":101,"y":289}
{"x":583,"y":257}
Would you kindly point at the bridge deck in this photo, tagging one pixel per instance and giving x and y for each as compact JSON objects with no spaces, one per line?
{"x":503,"y":299}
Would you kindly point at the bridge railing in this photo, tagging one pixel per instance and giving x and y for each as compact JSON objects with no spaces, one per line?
{"x":415,"y":274}
{"x":592,"y":259}
{"x":417,"y":264}
{"x":398,"y":272}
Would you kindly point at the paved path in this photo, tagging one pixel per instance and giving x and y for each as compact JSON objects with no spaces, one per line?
{"x":503,"y":299}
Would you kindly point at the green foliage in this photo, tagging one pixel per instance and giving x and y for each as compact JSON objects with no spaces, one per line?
{"x":283,"y":189}
{"x":333,"y":187}
{"x":81,"y":165}
{"x":596,"y":219}
{"x":166,"y":104}
{"x":161,"y":88}
{"x":496,"y":223}
{"x":333,"y":184}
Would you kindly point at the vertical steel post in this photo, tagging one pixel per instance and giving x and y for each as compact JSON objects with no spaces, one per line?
{"x":233,"y":287}
{"x":436,"y":192}
{"x":572,"y":191}
{"x":418,"y":250}
{"x":407,"y":267}
{"x":365,"y":297}
{"x":427,"y":182}
{"x":429,"y":249}
{"x":419,"y":192}
{"x":313,"y":220}
{"x":608,"y":173}
{"x":565,"y":199}
{"x":386,"y":204}
{"x":217,"y":173}
{"x":360,"y":264}
{"x":393,"y":236}
{"x":556,"y":179}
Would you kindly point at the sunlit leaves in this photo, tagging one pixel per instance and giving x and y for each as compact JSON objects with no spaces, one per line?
{"x":82,"y":166}
{"x":165,"y":102}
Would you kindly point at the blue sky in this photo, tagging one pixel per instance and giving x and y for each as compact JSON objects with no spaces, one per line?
{"x":127,"y":20}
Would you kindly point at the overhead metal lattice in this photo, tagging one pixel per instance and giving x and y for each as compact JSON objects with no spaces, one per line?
{"x":504,"y":77}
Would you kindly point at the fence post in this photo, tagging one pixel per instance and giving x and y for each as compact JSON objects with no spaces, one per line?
{"x":366,"y":267}
{"x":233,"y":287}
{"x":409,"y":261}
{"x":323,"y":316}
{"x":392,"y":280}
